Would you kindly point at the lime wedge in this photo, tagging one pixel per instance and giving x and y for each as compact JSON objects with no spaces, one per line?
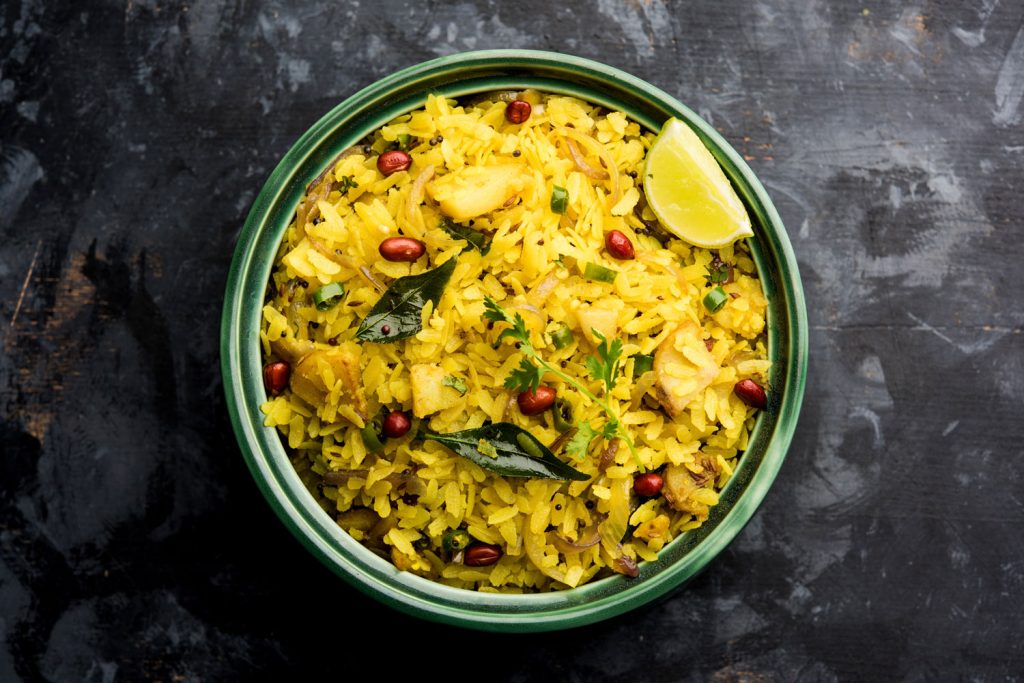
{"x":688,"y":192}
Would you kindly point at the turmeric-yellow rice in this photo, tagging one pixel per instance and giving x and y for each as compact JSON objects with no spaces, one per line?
{"x":414,"y":500}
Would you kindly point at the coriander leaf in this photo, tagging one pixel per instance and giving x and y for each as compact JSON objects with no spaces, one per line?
{"x":604,"y":368}
{"x":605,"y":365}
{"x":495,"y":313}
{"x":610,"y":429}
{"x":579,"y":444}
{"x":719,"y":272}
{"x":526,"y":377}
{"x":508,"y":450}
{"x":518,"y":331}
{"x":345,"y":184}
{"x":456,"y":383}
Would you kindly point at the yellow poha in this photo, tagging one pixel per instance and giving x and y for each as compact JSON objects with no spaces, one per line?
{"x":540,"y":196}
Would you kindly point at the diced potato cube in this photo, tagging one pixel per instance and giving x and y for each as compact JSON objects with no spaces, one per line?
{"x":475,"y":190}
{"x":603,"y":320}
{"x":429,"y":395}
{"x":684,"y":368}
{"x":308,"y":381}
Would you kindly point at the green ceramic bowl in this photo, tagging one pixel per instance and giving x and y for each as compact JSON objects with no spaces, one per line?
{"x":456,"y":76}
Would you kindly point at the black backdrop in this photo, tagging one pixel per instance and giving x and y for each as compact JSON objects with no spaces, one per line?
{"x":133,"y":137}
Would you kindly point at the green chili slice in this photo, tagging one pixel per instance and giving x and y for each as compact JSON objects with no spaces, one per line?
{"x":559,"y":199}
{"x":561,"y":336}
{"x":599,"y":273}
{"x":371,"y":433}
{"x":715,"y":299}
{"x":328,"y":296}
{"x":455,"y":540}
{"x":562,"y":412}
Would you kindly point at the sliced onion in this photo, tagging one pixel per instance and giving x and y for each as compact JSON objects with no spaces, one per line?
{"x":538,"y":296}
{"x":531,"y":311}
{"x":314,"y":209}
{"x":365,"y":272}
{"x":347,"y":152}
{"x":582,"y":165}
{"x":608,"y":457}
{"x":293,"y":314}
{"x":613,"y":528}
{"x":307,"y":210}
{"x":339,"y":477}
{"x":417,"y":191}
{"x":530,"y":308}
{"x":508,"y":406}
{"x":589,"y":537}
{"x":654,"y":228}
{"x":563,"y":438}
{"x":534,"y":544}
{"x":624,"y":564}
{"x":587,"y":141}
{"x":641,"y":386}
{"x":334,"y":255}
{"x":407,"y":481}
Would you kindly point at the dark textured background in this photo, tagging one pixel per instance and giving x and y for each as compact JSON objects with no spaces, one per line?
{"x":133,"y":543}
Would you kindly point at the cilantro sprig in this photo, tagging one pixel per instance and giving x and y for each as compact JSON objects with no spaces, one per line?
{"x":346,"y":183}
{"x":579,"y":444}
{"x":719,"y":272}
{"x":532,"y":367}
{"x":605,"y":366}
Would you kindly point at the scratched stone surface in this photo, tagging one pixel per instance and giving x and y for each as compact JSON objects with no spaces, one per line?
{"x":133,"y":138}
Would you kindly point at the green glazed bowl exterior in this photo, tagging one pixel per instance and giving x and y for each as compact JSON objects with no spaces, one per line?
{"x":455,"y":76}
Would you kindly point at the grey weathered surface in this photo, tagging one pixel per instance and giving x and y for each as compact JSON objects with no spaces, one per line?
{"x":133,"y":544}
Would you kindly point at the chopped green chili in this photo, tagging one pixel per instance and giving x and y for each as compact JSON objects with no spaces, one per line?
{"x":455,"y":540}
{"x":328,"y":296}
{"x":561,"y":336}
{"x":715,"y":299}
{"x":599,"y":273}
{"x":371,"y":433}
{"x":559,"y":199}
{"x":562,"y":412}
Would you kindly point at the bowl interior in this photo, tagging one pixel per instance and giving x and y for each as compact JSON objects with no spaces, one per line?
{"x":457,"y":76}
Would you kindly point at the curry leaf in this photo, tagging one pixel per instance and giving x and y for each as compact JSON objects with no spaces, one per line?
{"x":398,"y":314}
{"x":474,"y":238}
{"x":507,"y":450}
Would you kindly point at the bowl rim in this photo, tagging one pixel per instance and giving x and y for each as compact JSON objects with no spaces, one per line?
{"x":367,"y":109}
